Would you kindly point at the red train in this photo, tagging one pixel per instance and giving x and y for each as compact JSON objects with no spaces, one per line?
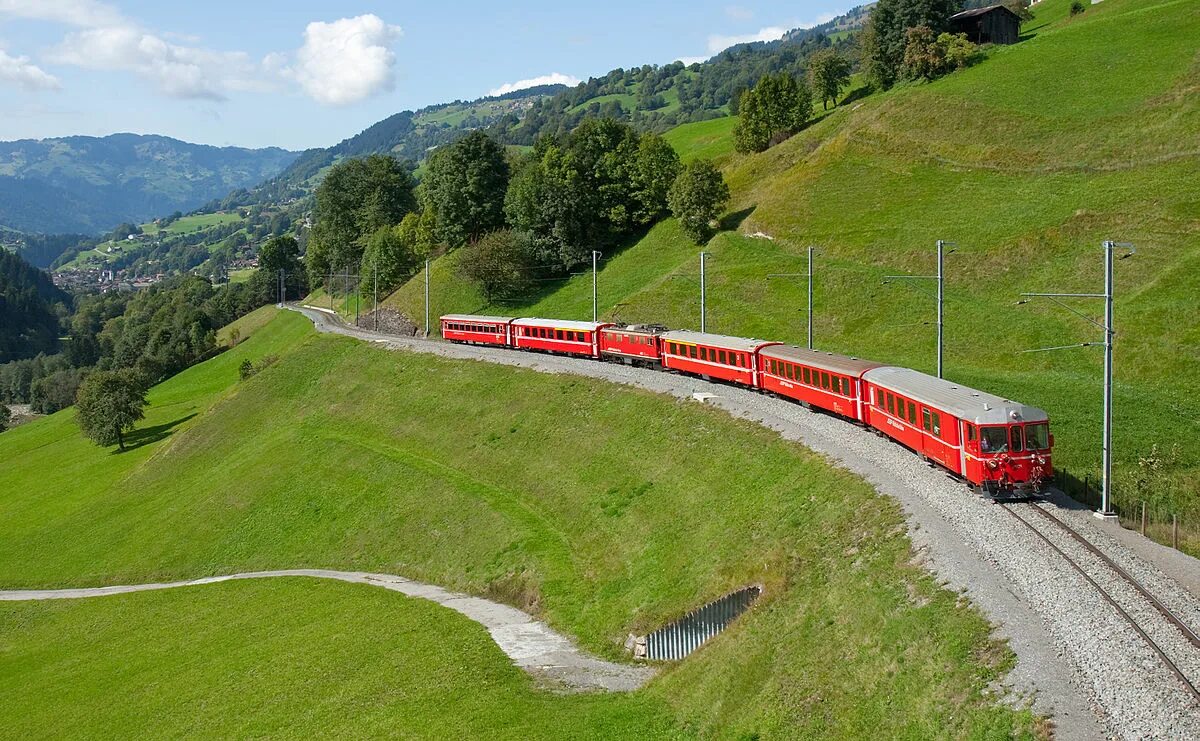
{"x":1000,"y":446}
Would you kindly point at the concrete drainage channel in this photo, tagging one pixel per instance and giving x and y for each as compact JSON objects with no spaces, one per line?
{"x":685,"y":635}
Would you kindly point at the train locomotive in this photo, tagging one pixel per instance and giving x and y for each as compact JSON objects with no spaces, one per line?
{"x":998,"y":446}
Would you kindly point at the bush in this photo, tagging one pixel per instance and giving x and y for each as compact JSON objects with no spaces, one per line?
{"x":1077,"y":7}
{"x":501,"y":264}
{"x":928,"y":56}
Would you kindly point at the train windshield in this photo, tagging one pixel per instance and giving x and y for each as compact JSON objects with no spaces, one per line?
{"x":993,"y":439}
{"x":1038,"y":436}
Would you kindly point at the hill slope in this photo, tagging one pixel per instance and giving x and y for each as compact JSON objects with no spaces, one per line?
{"x":28,"y":319}
{"x":1028,"y":161}
{"x":344,"y":455}
{"x":89,"y":184}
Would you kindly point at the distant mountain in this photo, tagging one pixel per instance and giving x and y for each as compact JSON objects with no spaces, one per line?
{"x":89,"y":184}
{"x":28,"y":319}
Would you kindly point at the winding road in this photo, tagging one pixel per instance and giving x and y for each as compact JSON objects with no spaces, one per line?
{"x":530,"y":643}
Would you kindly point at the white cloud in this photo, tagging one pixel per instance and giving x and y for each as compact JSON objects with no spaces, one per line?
{"x":85,"y":13}
{"x":177,"y":70}
{"x":344,"y":61}
{"x":718,"y":43}
{"x":554,"y":78}
{"x":20,"y":72}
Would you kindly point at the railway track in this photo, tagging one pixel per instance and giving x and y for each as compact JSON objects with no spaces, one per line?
{"x":1124,"y":576}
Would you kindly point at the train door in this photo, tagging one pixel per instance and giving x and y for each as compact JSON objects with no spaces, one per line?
{"x":972,"y":466}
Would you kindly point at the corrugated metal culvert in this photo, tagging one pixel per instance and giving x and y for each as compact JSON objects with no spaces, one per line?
{"x":685,"y":635}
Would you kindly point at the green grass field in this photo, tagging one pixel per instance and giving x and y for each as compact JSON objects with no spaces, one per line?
{"x":200,"y":221}
{"x":344,"y":455}
{"x":286,"y":657}
{"x":1028,"y":161}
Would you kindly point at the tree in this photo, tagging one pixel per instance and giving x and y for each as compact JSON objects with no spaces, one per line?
{"x":656,"y":167}
{"x":109,"y":404}
{"x":777,"y":107}
{"x":958,"y":51}
{"x":5,"y":417}
{"x":389,"y":257}
{"x":1077,"y":7}
{"x":465,"y":186}
{"x":923,"y":57}
{"x":828,"y":73}
{"x":884,"y":37}
{"x":356,"y":197}
{"x":698,"y":197}
{"x":281,"y":253}
{"x":501,"y":264}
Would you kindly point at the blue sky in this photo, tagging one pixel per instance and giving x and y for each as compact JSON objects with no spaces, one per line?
{"x":307,"y":73}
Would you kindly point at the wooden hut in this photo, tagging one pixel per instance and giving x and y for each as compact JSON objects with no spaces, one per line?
{"x":994,"y":24}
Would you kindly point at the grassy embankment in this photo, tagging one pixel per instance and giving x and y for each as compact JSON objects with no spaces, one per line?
{"x":1028,"y":160}
{"x":343,"y":455}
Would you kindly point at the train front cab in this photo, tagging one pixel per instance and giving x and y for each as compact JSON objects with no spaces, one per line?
{"x":632,"y":344}
{"x":1011,"y":458}
{"x":1000,"y":446}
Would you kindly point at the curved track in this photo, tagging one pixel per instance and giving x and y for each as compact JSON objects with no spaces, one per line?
{"x":1128,"y":579}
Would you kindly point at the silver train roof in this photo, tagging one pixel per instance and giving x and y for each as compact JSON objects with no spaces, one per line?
{"x":715,"y":340}
{"x":824,"y":360}
{"x":964,"y":402}
{"x":559,"y":324}
{"x":476,"y":318}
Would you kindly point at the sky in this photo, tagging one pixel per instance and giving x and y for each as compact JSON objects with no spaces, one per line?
{"x":309,"y":74}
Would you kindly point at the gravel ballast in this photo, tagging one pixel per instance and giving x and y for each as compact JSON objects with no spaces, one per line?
{"x":1078,"y":660}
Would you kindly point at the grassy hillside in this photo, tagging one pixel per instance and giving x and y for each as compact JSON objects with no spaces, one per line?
{"x":1081,"y":133}
{"x":348,"y":456}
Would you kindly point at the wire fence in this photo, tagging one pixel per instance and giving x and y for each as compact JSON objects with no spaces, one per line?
{"x":1164,"y":523}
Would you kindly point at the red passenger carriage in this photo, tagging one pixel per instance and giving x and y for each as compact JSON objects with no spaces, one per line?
{"x":475,"y":329}
{"x":819,"y":379}
{"x":713,"y":355}
{"x":997,"y":444}
{"x":558,"y":335}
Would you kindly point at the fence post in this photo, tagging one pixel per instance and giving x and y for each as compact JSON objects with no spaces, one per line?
{"x":1143,"y":518}
{"x":1175,"y":532}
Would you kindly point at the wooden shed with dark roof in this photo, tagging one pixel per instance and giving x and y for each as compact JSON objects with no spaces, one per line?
{"x":994,"y":24}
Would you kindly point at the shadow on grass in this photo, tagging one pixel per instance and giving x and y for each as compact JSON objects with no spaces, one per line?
{"x":731,"y":221}
{"x":147,"y":435}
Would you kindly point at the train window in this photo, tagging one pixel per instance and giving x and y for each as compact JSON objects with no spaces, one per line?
{"x":1038,"y":436}
{"x":912,"y":413}
{"x":1018,"y":438}
{"x":993,"y":439}
{"x":970,"y":433}
{"x":937,"y":424}
{"x":694,"y":351}
{"x":845,"y":387}
{"x":807,"y":376}
{"x":879,"y":398}
{"x":891,"y":404}
{"x":721,"y":358}
{"x":926,"y":423}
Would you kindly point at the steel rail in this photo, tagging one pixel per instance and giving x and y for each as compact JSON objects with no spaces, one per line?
{"x":1108,"y":598}
{"x":1165,"y":611}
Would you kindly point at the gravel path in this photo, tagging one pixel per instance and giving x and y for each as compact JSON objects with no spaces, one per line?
{"x":530,"y":643}
{"x":1078,"y":661}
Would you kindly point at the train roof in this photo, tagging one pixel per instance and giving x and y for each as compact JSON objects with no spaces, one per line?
{"x":824,"y":360}
{"x":978,"y":407}
{"x":559,"y":324}
{"x":653,"y":329}
{"x":716,"y":340}
{"x":476,"y":318}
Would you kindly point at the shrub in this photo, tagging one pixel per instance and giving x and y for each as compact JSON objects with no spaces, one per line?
{"x":1077,"y":7}
{"x":698,"y":196}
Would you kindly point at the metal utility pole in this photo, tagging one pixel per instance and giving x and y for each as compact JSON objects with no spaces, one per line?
{"x":357,"y":293}
{"x":809,"y":275}
{"x":375,"y":267}
{"x":1106,"y":510}
{"x":282,"y":294}
{"x":427,"y":299}
{"x":940,"y":277}
{"x":329,"y":287}
{"x":595,"y":308}
{"x":810,"y":298}
{"x":703,"y":255}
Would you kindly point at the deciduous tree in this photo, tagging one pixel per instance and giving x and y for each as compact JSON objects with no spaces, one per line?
{"x":828,"y":73}
{"x":884,"y":40}
{"x":109,"y":404}
{"x":465,"y":187}
{"x":774,"y":109}
{"x":698,"y":197}
{"x":501,"y":264}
